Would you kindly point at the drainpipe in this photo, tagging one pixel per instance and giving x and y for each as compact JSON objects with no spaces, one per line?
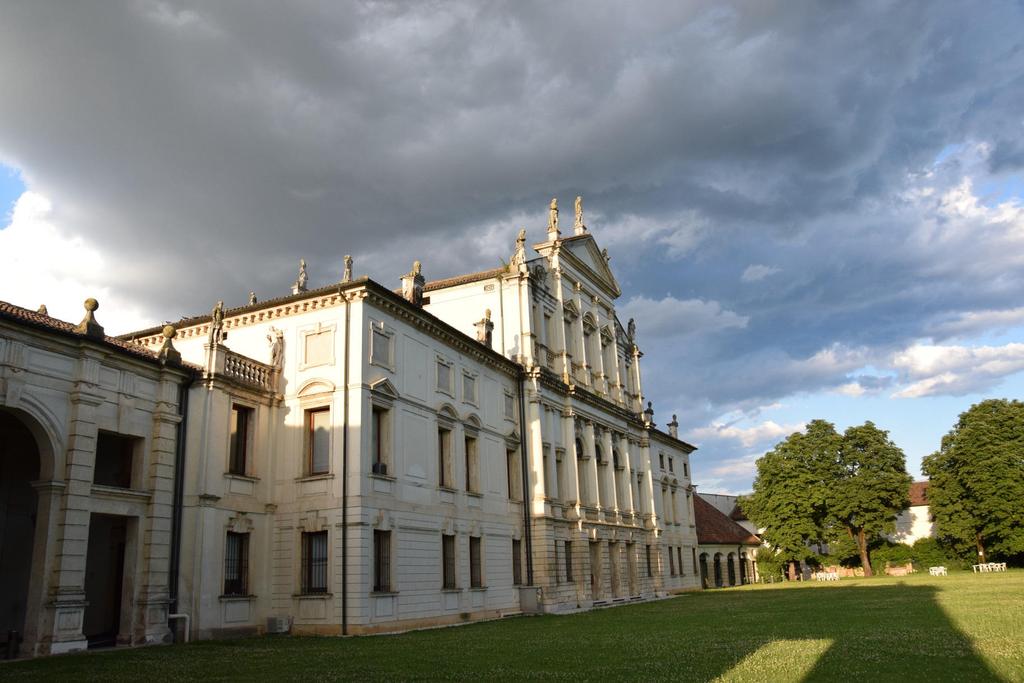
{"x":526,"y":479}
{"x":178,"y":496}
{"x":344,"y":473}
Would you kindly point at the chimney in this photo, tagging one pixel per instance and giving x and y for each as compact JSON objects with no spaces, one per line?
{"x":412,"y":284}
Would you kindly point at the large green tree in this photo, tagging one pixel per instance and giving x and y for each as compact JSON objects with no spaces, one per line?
{"x":789,"y":499}
{"x":976,"y":480}
{"x":870,"y":486}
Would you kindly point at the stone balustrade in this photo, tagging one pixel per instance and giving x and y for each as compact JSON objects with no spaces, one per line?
{"x":245,"y":369}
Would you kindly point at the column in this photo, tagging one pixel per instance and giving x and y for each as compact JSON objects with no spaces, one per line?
{"x":651,"y":512}
{"x":571,"y":496}
{"x":535,"y":462}
{"x":591,"y":465}
{"x":610,"y":473}
{"x":627,"y":504}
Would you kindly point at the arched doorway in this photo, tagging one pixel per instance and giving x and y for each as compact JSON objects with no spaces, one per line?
{"x":718,"y":570}
{"x":743,"y":568}
{"x":704,"y":570}
{"x":19,"y":467}
{"x":732,"y":568}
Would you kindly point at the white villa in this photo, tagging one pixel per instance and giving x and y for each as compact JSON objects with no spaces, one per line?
{"x":341,"y":460}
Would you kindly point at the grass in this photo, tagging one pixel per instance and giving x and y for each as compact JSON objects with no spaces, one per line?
{"x":918,"y":628}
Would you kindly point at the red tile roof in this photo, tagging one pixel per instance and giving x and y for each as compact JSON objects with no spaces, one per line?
{"x":464,"y":279}
{"x":42,"y":321}
{"x":919,"y":493}
{"x":714,"y":527}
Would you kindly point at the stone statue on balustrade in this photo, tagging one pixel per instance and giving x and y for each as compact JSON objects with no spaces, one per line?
{"x":216,"y":324}
{"x":276,"y":339}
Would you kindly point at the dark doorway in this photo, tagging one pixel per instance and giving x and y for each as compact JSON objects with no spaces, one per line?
{"x":19,"y":467}
{"x":704,"y":571}
{"x":104,"y":579}
{"x":718,"y":570}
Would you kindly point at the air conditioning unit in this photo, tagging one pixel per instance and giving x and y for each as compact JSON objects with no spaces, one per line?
{"x":279,"y":624}
{"x":380,"y":468}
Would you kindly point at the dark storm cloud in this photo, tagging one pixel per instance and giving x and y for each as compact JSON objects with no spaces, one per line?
{"x":206,"y":147}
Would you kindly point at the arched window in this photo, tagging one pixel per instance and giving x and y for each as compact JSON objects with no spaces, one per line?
{"x":704,"y":570}
{"x":718,"y":570}
{"x":732,"y":569}
{"x":743,"y":568}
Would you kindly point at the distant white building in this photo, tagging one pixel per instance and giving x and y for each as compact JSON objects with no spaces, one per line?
{"x":916,"y":521}
{"x":348,"y":459}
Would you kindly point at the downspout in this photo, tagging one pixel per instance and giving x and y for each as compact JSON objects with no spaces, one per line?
{"x":178,"y":496}
{"x":344,"y":473}
{"x":526,"y":479}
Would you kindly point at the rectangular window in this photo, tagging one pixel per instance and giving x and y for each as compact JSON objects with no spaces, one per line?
{"x":517,"y":562}
{"x":509,"y":406}
{"x":512,"y":473}
{"x":314,"y":562}
{"x":671,"y":562}
{"x":444,"y":377}
{"x":679,"y":560}
{"x":469,"y":389}
{"x":475,"y":574}
{"x":241,"y":418}
{"x":693,"y":556}
{"x":114,"y":456}
{"x":318,"y":438}
{"x":686,"y":470}
{"x":568,"y":561}
{"x":381,"y":561}
{"x":319,"y":348}
{"x":444,"y":457}
{"x":472,"y":475}
{"x":379,"y":440}
{"x":670,"y":465}
{"x":236,"y":564}
{"x":661,"y":460}
{"x":380,"y":349}
{"x":647,"y":554}
{"x":447,"y":561}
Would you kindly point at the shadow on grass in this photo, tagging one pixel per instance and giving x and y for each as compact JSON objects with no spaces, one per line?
{"x":867,"y":632}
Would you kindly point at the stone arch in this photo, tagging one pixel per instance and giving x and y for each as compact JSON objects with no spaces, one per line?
{"x":316,"y":386}
{"x":731,"y":568}
{"x":26,"y":460}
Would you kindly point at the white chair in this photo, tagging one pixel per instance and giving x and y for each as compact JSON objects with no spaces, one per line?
{"x":937,"y":571}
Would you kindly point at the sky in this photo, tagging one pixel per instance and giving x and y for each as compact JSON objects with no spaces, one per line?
{"x":815,"y":210}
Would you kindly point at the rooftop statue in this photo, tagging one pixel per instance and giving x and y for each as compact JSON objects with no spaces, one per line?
{"x":519,"y":256}
{"x":578,"y":227}
{"x":347,"y":276}
{"x":217,"y":324}
{"x":300,"y":282}
{"x":553,"y":219}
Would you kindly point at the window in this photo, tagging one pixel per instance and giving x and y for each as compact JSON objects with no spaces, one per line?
{"x":599,"y":454}
{"x":380,"y":346}
{"x":675,"y":509}
{"x":472,"y":474}
{"x":236,"y":564}
{"x":444,"y":376}
{"x":468,"y":388}
{"x":381,"y":561}
{"x":318,"y":347}
{"x":513,"y":474}
{"x":475,"y":575}
{"x":671,"y":562}
{"x":238,"y":458}
{"x":318,"y":440}
{"x":686,"y":470}
{"x":444,"y":457}
{"x":670,"y":467}
{"x":517,"y":562}
{"x":379,"y":441}
{"x":616,"y":462}
{"x":679,"y":560}
{"x":314,"y":562}
{"x":568,"y":561}
{"x":447,"y":561}
{"x":661,"y":460}
{"x":114,"y":455}
{"x":647,"y":554}
{"x":509,"y":406}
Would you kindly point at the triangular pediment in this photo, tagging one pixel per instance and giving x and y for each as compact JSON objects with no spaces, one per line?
{"x":585,"y":254}
{"x":384,"y":387}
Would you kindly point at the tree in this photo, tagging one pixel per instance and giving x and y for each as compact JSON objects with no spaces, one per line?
{"x":976,"y":480}
{"x":789,"y":498}
{"x":870,"y":488}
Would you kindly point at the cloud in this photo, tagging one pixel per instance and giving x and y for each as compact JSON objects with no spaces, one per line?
{"x":757,"y":272}
{"x":970,"y":323}
{"x":672,"y":318}
{"x":46,"y":266}
{"x":931,"y":370}
{"x":747,"y":436}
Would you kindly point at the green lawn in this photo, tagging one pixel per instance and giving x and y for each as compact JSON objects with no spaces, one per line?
{"x":960,"y":627}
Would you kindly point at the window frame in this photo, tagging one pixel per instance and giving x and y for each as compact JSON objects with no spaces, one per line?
{"x":382,"y":563}
{"x":441,"y":361}
{"x":236,"y":586}
{"x":387,"y":335}
{"x":517,"y":562}
{"x":471,"y":379}
{"x":237,"y":410}
{"x":310,"y":566}
{"x":444,"y":456}
{"x":319,"y":328}
{"x":309,"y":414}
{"x":476,"y":569}
{"x":449,"y":566}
